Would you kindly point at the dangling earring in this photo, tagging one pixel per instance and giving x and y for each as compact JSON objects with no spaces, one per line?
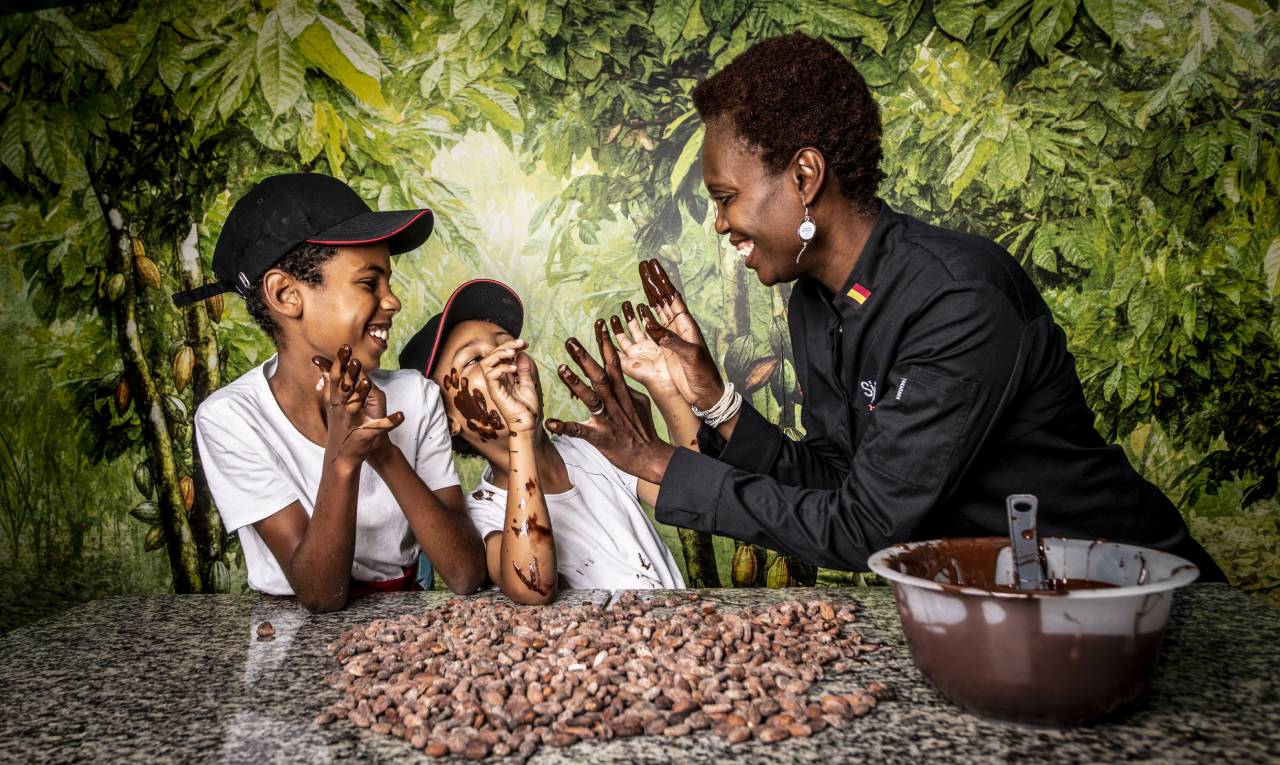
{"x":806,"y":232}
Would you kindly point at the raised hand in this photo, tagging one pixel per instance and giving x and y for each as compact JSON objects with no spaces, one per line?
{"x":621,"y":422}
{"x":354,"y":410}
{"x":512,"y":380}
{"x":642,"y":359}
{"x":673,"y":329}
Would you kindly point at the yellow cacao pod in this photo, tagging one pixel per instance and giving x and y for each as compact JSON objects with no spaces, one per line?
{"x":744,"y":566}
{"x":215,"y":308}
{"x":122,"y":396}
{"x":154,"y":539}
{"x":115,"y":286}
{"x":184,"y":361}
{"x":778,"y":575}
{"x":188,"y":487}
{"x":148,"y":272}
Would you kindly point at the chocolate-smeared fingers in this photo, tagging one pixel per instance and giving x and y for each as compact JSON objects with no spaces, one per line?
{"x":595,"y":373}
{"x":612,"y":361}
{"x":619,"y":333}
{"x":666,"y":290}
{"x":581,"y":391}
{"x":648,"y":281}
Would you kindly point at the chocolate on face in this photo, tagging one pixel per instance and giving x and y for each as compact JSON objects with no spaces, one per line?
{"x":473,"y":407}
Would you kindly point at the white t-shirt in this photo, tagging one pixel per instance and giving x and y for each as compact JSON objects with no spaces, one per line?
{"x":257,"y":463}
{"x":604,"y":539}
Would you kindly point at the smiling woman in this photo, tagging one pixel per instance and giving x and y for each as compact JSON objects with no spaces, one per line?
{"x":935,"y":380}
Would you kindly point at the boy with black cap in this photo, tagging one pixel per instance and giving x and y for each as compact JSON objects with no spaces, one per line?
{"x":285,"y":446}
{"x":551,"y":509}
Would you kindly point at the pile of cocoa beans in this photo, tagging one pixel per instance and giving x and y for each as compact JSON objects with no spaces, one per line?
{"x":477,"y":678}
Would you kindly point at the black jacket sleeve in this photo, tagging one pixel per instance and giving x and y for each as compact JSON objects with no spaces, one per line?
{"x":953,"y":373}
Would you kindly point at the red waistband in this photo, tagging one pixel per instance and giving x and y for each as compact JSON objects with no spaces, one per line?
{"x":406,"y":583}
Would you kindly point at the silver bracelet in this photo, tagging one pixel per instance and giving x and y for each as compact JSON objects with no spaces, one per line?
{"x":729,"y":413}
{"x":723,"y":410}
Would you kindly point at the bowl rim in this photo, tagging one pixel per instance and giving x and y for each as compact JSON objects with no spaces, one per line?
{"x":1184,"y":572}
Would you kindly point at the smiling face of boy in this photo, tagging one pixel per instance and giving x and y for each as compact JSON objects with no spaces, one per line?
{"x":353,"y":305}
{"x":468,"y":404}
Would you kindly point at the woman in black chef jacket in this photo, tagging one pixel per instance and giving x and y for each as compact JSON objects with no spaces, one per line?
{"x":935,"y":380}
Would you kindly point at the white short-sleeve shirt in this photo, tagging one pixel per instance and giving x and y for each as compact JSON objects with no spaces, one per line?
{"x":257,"y":463}
{"x":604,"y":539}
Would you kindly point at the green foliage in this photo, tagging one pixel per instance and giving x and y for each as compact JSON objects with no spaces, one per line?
{"x":1123,"y":150}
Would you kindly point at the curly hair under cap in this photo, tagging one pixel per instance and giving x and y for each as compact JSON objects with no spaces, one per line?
{"x":785,"y":93}
{"x":304,"y":263}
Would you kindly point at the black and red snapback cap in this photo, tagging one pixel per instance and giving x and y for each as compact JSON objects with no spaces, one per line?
{"x":478,"y":299}
{"x":284,"y":211}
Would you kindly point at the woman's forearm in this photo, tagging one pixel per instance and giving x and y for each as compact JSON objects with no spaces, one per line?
{"x":528,"y":566}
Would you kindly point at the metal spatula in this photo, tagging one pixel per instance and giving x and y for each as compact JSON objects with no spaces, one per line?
{"x":1028,"y":563}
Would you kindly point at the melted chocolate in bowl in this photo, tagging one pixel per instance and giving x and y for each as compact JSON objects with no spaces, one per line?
{"x":1069,"y":655}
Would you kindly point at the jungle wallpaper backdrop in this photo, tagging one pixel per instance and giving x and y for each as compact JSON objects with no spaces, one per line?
{"x":1125,"y":151}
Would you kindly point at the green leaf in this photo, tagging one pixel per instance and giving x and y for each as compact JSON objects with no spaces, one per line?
{"x":1013,"y":161}
{"x":1103,"y":14}
{"x":237,"y":82}
{"x":431,"y":77}
{"x":966,"y":165}
{"x":353,"y":14}
{"x":688,"y":155}
{"x":695,"y":28}
{"x":553,"y":64}
{"x":668,"y":19}
{"x":1271,"y":266}
{"x":1042,"y":253}
{"x":842,"y":21}
{"x":169,"y":64}
{"x":497,"y":107}
{"x":295,"y":16}
{"x":955,"y":17}
{"x":329,"y":128}
{"x":1141,"y":310}
{"x":346,"y":58}
{"x":469,"y":13}
{"x":280,"y":70}
{"x":1130,"y":386}
{"x":12,"y":152}
{"x":1050,"y":21}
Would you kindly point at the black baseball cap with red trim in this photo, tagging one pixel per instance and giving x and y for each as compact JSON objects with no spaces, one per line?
{"x":284,"y":211}
{"x":478,"y":299}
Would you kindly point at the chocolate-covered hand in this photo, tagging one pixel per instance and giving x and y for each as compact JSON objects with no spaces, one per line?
{"x":621,"y":423}
{"x":689,"y":362}
{"x":512,"y":380}
{"x":354,"y":410}
{"x":642,"y":359}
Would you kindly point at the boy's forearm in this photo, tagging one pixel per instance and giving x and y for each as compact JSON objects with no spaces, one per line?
{"x":528,"y":564}
{"x":446,"y":536}
{"x":320,"y":567}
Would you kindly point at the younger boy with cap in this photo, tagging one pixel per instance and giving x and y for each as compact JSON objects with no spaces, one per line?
{"x":551,"y":509}
{"x":332,"y":497}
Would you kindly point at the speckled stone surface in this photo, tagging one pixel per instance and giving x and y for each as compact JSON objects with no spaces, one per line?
{"x":183,"y":678}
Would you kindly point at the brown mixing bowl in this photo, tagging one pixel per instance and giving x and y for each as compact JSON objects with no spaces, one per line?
{"x":1059,"y":657}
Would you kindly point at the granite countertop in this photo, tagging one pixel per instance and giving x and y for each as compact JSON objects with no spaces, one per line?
{"x":183,"y":678}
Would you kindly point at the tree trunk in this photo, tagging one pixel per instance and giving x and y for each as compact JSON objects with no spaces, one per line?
{"x":206,"y":524}
{"x":184,"y":557}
